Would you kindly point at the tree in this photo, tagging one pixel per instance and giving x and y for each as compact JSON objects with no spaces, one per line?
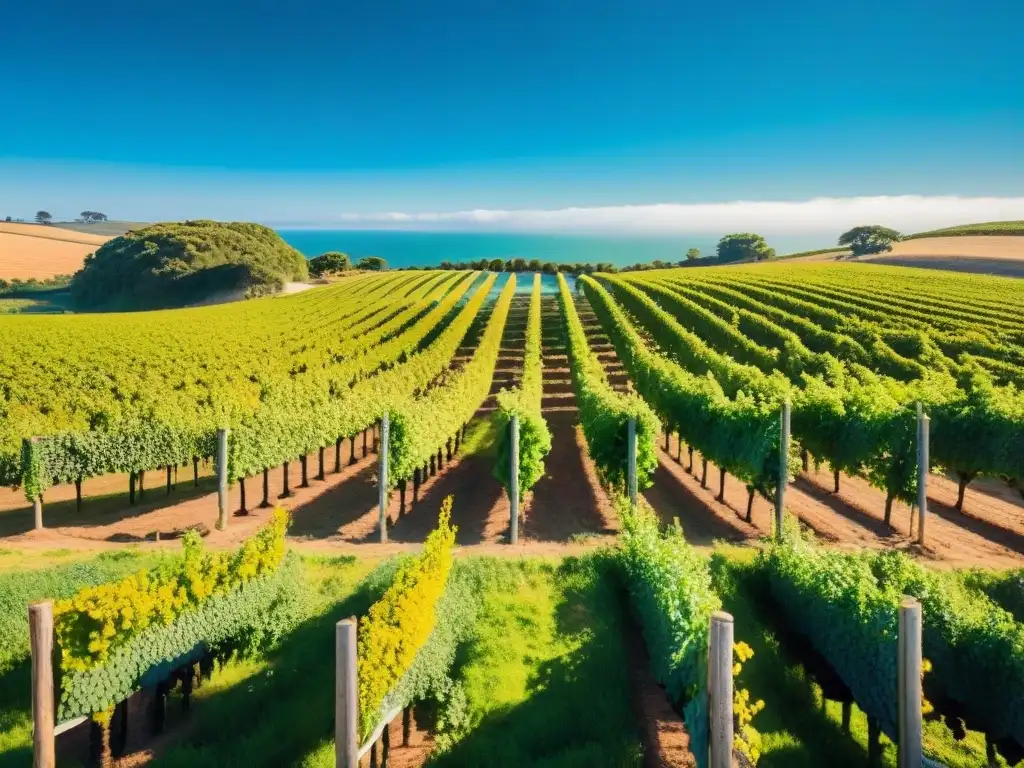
{"x":744,"y":246}
{"x":91,"y":217}
{"x":549,"y":268}
{"x":517,"y":265}
{"x":7,"y":219}
{"x":870,"y":239}
{"x":607,"y":267}
{"x":372,"y":262}
{"x":693,"y":254}
{"x":43,"y":217}
{"x":495,"y":265}
{"x":534,"y":265}
{"x":330,"y":263}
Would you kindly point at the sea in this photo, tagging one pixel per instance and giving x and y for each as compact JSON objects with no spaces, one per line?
{"x":427,"y":249}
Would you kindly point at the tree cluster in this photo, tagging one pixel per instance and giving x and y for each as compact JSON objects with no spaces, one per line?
{"x":870,"y":238}
{"x":179,"y":263}
{"x":91,"y":217}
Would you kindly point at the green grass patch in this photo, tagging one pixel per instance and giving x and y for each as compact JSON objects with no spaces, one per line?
{"x":543,"y":675}
{"x":986,"y":228}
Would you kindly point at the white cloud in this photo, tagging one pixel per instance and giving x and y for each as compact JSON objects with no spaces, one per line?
{"x":907,"y":213}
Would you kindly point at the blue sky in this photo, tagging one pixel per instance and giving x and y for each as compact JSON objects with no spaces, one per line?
{"x":307,"y":112}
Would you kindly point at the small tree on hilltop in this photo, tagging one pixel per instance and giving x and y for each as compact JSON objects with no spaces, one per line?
{"x":870,"y":239}
{"x":693,"y":254}
{"x":495,"y":265}
{"x":43,"y":217}
{"x":330,"y":263}
{"x":743,"y":246}
{"x":375,"y":263}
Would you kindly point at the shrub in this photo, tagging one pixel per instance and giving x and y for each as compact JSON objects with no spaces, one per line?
{"x":402,"y":621}
{"x":172,"y":264}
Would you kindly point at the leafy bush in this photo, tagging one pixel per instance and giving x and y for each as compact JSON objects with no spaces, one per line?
{"x":605,"y":413}
{"x":329,"y":263}
{"x":401,"y":622}
{"x":19,"y":588}
{"x":525,"y":403}
{"x":98,"y":620}
{"x":171,"y":264}
{"x":248,"y":619}
{"x":670,"y":590}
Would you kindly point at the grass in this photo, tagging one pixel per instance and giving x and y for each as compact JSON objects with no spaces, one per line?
{"x":107,"y":228}
{"x":273,"y":710}
{"x":839,"y":249}
{"x":543,"y":674}
{"x":987,"y":228}
{"x":798,"y":727}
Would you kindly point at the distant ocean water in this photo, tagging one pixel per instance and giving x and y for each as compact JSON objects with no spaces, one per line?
{"x":426,"y":249}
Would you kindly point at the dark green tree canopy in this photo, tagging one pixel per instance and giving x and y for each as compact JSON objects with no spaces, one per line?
{"x":742,"y":246}
{"x":693,"y":254}
{"x":496,"y":265}
{"x":43,"y":217}
{"x":92,"y":216}
{"x":180,"y":263}
{"x":372,"y":262}
{"x":330,"y":263}
{"x":870,"y":238}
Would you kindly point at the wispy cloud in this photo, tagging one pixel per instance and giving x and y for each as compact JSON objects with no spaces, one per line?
{"x":908,"y":213}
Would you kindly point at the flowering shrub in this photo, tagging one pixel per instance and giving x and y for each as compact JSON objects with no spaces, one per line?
{"x":401,"y":622}
{"x":746,"y":738}
{"x":98,"y":620}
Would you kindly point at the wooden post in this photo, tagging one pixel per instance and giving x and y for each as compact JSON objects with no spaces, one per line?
{"x":303,"y":463}
{"x":320,"y":474}
{"x":195,"y":471}
{"x":385,"y":430}
{"x":222,"y":479}
{"x":346,"y":703}
{"x":909,"y":747}
{"x":720,"y":727}
{"x":40,"y":628}
{"x":923,"y":430}
{"x":416,"y":486}
{"x":78,"y":494}
{"x":780,"y":490}
{"x":385,"y":747}
{"x":448,"y":450}
{"x":513,"y":481}
{"x":352,"y":450}
{"x":631,"y":461}
{"x":337,"y":455}
{"x":406,"y":725}
{"x":169,"y":480}
{"x":365,"y":439}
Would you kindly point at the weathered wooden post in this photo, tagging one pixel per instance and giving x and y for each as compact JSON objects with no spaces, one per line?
{"x":909,"y":747}
{"x":923,"y":437}
{"x":222,"y":478}
{"x":346,"y":705}
{"x":385,"y":429}
{"x":780,"y":490}
{"x":720,"y":727}
{"x":631,"y":461}
{"x":513,"y":481}
{"x":266,"y":489}
{"x":40,"y":627}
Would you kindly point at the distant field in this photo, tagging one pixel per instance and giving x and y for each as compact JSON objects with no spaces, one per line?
{"x":33,"y":250}
{"x":107,"y":229}
{"x":989,"y":228}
